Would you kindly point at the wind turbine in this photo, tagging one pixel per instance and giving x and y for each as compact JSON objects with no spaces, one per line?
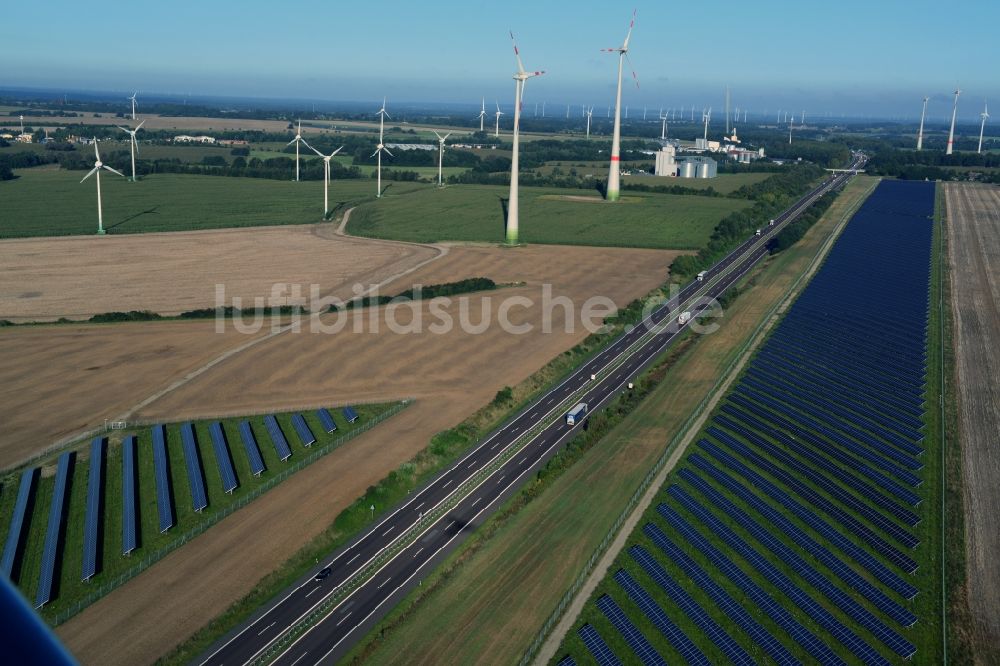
{"x":482,"y":114}
{"x":440,"y":152}
{"x":500,"y":113}
{"x":133,"y":144}
{"x":951,"y":133}
{"x":706,"y":117}
{"x":133,"y":103}
{"x":98,"y":165}
{"x":297,"y":140}
{"x":326,"y":177}
{"x":614,"y":173}
{"x":382,"y":115}
{"x":984,"y":115}
{"x":790,"y":130}
{"x":920,"y":133}
{"x":520,"y":78}
{"x":663,"y":128}
{"x":590,"y":112}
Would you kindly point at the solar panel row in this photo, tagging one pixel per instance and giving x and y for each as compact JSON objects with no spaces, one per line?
{"x":164,"y":500}
{"x":128,"y":495}
{"x":350,"y":414}
{"x":303,"y":431}
{"x":92,"y":517}
{"x":326,"y":420}
{"x":643,"y":650}
{"x":192,"y":462}
{"x":277,"y":437}
{"x":54,"y":531}
{"x":252,"y":449}
{"x":599,"y":650}
{"x":222,"y":459}
{"x":18,"y":522}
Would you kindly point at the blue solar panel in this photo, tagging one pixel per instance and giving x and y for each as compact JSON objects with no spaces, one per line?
{"x":350,"y":414}
{"x":128,"y":495}
{"x":674,"y":635}
{"x":18,"y":524}
{"x":326,"y":419}
{"x":647,"y":655}
{"x":253,"y":451}
{"x":199,"y":500}
{"x":54,"y":531}
{"x":794,"y":561}
{"x":222,"y":458}
{"x":303,"y":431}
{"x":778,"y":613}
{"x":567,"y":660}
{"x":164,"y":500}
{"x":92,"y":517}
{"x":277,"y":437}
{"x":599,"y":650}
{"x":734,"y":610}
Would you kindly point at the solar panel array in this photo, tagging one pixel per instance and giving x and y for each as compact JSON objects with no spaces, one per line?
{"x":164,"y":499}
{"x":303,"y":431}
{"x":18,"y":522}
{"x":803,"y":492}
{"x":599,"y":650}
{"x":92,"y":517}
{"x":350,"y":414}
{"x":129,"y":540}
{"x":222,"y":458}
{"x":54,"y":531}
{"x":252,"y":449}
{"x":326,"y":419}
{"x":277,"y":437}
{"x":196,"y":481}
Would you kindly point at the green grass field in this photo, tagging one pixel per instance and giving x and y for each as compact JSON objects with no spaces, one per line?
{"x":548,"y":215}
{"x":68,"y":590}
{"x":53,"y":202}
{"x":494,"y":600}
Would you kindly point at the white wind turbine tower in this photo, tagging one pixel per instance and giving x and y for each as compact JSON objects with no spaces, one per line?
{"x":326,"y":177}
{"x":520,"y":78}
{"x":440,"y":153}
{"x":499,"y":113}
{"x":920,"y":132}
{"x":590,"y":112}
{"x":663,"y":128}
{"x":133,"y":143}
{"x":614,"y":173}
{"x":706,"y":117}
{"x":482,"y":114}
{"x":133,"y":103}
{"x":984,"y":115}
{"x":382,"y":115}
{"x":98,"y":165}
{"x":951,"y":133}
{"x":297,"y":140}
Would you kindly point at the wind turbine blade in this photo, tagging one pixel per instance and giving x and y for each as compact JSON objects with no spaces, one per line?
{"x":375,"y":153}
{"x":437,"y":135}
{"x":89,"y":174}
{"x":498,"y":106}
{"x":292,"y":141}
{"x":336,"y":151}
{"x":96,"y":154}
{"x":105,"y":166}
{"x":446,"y":136}
{"x":634,"y":77}
{"x":628,"y":36}
{"x":517,"y":54}
{"x":388,"y":151}
{"x":123,"y":129}
{"x":315,"y":151}
{"x":140,"y":125}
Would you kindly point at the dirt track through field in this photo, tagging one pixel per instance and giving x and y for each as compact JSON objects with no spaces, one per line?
{"x":974,"y":243}
{"x":450,"y":375}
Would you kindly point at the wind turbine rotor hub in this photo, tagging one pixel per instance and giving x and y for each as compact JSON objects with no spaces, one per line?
{"x":98,"y":164}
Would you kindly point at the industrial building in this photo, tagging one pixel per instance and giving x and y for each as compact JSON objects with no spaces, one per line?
{"x":667,"y":164}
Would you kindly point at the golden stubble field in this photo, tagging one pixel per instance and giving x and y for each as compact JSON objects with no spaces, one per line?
{"x":974,"y":245}
{"x":450,"y":375}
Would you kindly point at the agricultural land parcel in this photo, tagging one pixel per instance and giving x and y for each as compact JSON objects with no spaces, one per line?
{"x":974,"y":243}
{"x":489,"y":606}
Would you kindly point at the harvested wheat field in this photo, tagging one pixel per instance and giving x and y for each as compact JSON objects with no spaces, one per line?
{"x":43,"y":279}
{"x":446,"y":373}
{"x":974,"y":243}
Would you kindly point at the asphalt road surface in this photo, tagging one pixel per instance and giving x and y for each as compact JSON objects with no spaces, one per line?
{"x":614,"y":368}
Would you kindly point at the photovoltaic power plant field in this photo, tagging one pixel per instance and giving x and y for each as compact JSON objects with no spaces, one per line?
{"x":99,"y":519}
{"x":792,"y":530}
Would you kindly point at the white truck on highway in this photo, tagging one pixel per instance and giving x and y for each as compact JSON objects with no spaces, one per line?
{"x":574,"y":415}
{"x":758,"y":233}
{"x":684,"y":318}
{"x":701,"y":276}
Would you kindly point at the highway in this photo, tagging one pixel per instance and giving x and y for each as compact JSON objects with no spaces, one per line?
{"x":614,"y":367}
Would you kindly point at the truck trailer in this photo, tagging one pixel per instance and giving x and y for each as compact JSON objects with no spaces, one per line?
{"x":574,"y":415}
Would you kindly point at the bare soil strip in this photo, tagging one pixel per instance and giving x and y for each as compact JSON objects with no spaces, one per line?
{"x":974,"y":243}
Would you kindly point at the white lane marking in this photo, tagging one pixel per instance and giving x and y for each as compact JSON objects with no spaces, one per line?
{"x":311,"y":591}
{"x":391,"y":527}
{"x":267,"y":627}
{"x":472,"y":464}
{"x":356,"y":556}
{"x":300,"y":658}
{"x":342,"y":619}
{"x":418,"y":506}
{"x":501,"y":478}
{"x":533,"y":415}
{"x":381,"y":585}
{"x":447,"y":484}
{"x":494,"y":446}
{"x":418,"y":551}
{"x":477,"y":500}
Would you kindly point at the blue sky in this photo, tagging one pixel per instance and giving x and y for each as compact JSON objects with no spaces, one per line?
{"x":874,"y":57}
